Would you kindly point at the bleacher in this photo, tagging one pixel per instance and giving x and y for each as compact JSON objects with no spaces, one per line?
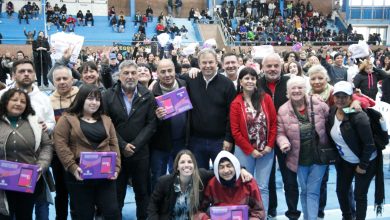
{"x":101,"y":34}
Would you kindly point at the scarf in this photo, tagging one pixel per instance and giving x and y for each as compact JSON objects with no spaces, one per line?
{"x":166,"y":89}
{"x":325,"y":94}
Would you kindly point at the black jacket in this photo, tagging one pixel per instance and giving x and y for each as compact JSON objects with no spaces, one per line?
{"x":356,"y":132}
{"x":279,"y":97}
{"x":137,"y":127}
{"x":361,"y":81}
{"x":162,"y":139}
{"x":211,"y":106}
{"x":164,"y":196}
{"x":386,"y":90}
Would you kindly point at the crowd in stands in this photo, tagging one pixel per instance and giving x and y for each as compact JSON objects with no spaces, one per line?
{"x":267,"y":23}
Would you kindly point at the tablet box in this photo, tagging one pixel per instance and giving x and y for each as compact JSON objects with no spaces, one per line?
{"x":19,"y":177}
{"x":175,"y":102}
{"x":98,"y":165}
{"x":236,"y":212}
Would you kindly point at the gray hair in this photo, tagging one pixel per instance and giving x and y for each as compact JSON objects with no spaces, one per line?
{"x":294,"y":81}
{"x":60,"y":67}
{"x":127,"y":63}
{"x":207,"y":51}
{"x":318,"y":69}
{"x":269,"y":56}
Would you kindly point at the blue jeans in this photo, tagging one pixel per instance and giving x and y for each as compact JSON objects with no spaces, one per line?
{"x":310,"y":178}
{"x":161,"y":160}
{"x":41,"y":210}
{"x":205,"y":149}
{"x":260,"y":168}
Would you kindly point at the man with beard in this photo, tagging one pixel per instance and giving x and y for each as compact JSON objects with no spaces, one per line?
{"x":23,"y":74}
{"x":131,"y":107}
{"x":274,"y":84}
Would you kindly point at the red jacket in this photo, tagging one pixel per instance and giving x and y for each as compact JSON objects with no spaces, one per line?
{"x":247,"y":193}
{"x":239,"y":127}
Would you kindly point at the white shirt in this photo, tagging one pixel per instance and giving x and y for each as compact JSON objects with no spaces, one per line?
{"x":345,"y":152}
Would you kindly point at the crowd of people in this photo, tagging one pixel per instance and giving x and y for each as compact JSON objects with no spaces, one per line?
{"x":248,"y":112}
{"x":106,"y":102}
{"x":267,"y":23}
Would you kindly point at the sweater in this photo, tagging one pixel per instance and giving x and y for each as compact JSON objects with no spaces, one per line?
{"x":211,"y":105}
{"x":238,"y":122}
{"x":217,"y":194}
{"x":279,"y":96}
{"x":70,"y":141}
{"x":60,"y":103}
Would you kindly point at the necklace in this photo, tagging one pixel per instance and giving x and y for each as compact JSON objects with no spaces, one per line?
{"x":87,"y":119}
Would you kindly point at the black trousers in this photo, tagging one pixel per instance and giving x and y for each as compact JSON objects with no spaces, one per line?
{"x":291,"y":191}
{"x":21,"y":204}
{"x":138,"y":171}
{"x":42,"y":69}
{"x":345,"y":174}
{"x":88,"y":194}
{"x":61,"y":199}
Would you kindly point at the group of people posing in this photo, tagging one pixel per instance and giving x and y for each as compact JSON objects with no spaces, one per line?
{"x":241,"y":120}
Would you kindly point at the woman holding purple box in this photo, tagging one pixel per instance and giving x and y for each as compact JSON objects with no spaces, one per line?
{"x":84,"y":128}
{"x":22,"y":140}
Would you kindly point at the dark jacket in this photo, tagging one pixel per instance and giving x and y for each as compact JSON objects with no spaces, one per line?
{"x":367,"y":83}
{"x":41,"y":56}
{"x":211,"y":106}
{"x":279,"y":97}
{"x":356,"y":132}
{"x":162,"y":139}
{"x":164,"y":196}
{"x":137,"y":127}
{"x":386,"y":90}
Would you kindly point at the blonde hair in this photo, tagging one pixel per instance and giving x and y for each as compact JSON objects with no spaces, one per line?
{"x":197,"y":184}
{"x":363,"y":65}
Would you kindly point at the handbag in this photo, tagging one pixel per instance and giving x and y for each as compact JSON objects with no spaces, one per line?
{"x":323,"y":154}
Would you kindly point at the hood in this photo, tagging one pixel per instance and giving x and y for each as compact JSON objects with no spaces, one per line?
{"x":232,"y":159}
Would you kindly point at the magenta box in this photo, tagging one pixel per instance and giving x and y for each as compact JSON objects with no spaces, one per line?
{"x":175,"y":102}
{"x":19,"y":177}
{"x":234,"y":212}
{"x":98,"y":165}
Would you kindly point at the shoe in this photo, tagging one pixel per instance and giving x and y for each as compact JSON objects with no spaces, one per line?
{"x":271,"y":217}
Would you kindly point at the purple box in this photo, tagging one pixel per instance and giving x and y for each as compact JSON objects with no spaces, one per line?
{"x":175,"y":102}
{"x":234,"y":212}
{"x":98,"y":165}
{"x":19,"y":177}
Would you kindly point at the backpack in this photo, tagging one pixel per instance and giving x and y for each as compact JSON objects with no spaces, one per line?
{"x":381,"y":138}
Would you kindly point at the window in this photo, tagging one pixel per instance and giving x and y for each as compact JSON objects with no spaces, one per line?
{"x":368,"y":2}
{"x":378,"y":2}
{"x":356,"y":2}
